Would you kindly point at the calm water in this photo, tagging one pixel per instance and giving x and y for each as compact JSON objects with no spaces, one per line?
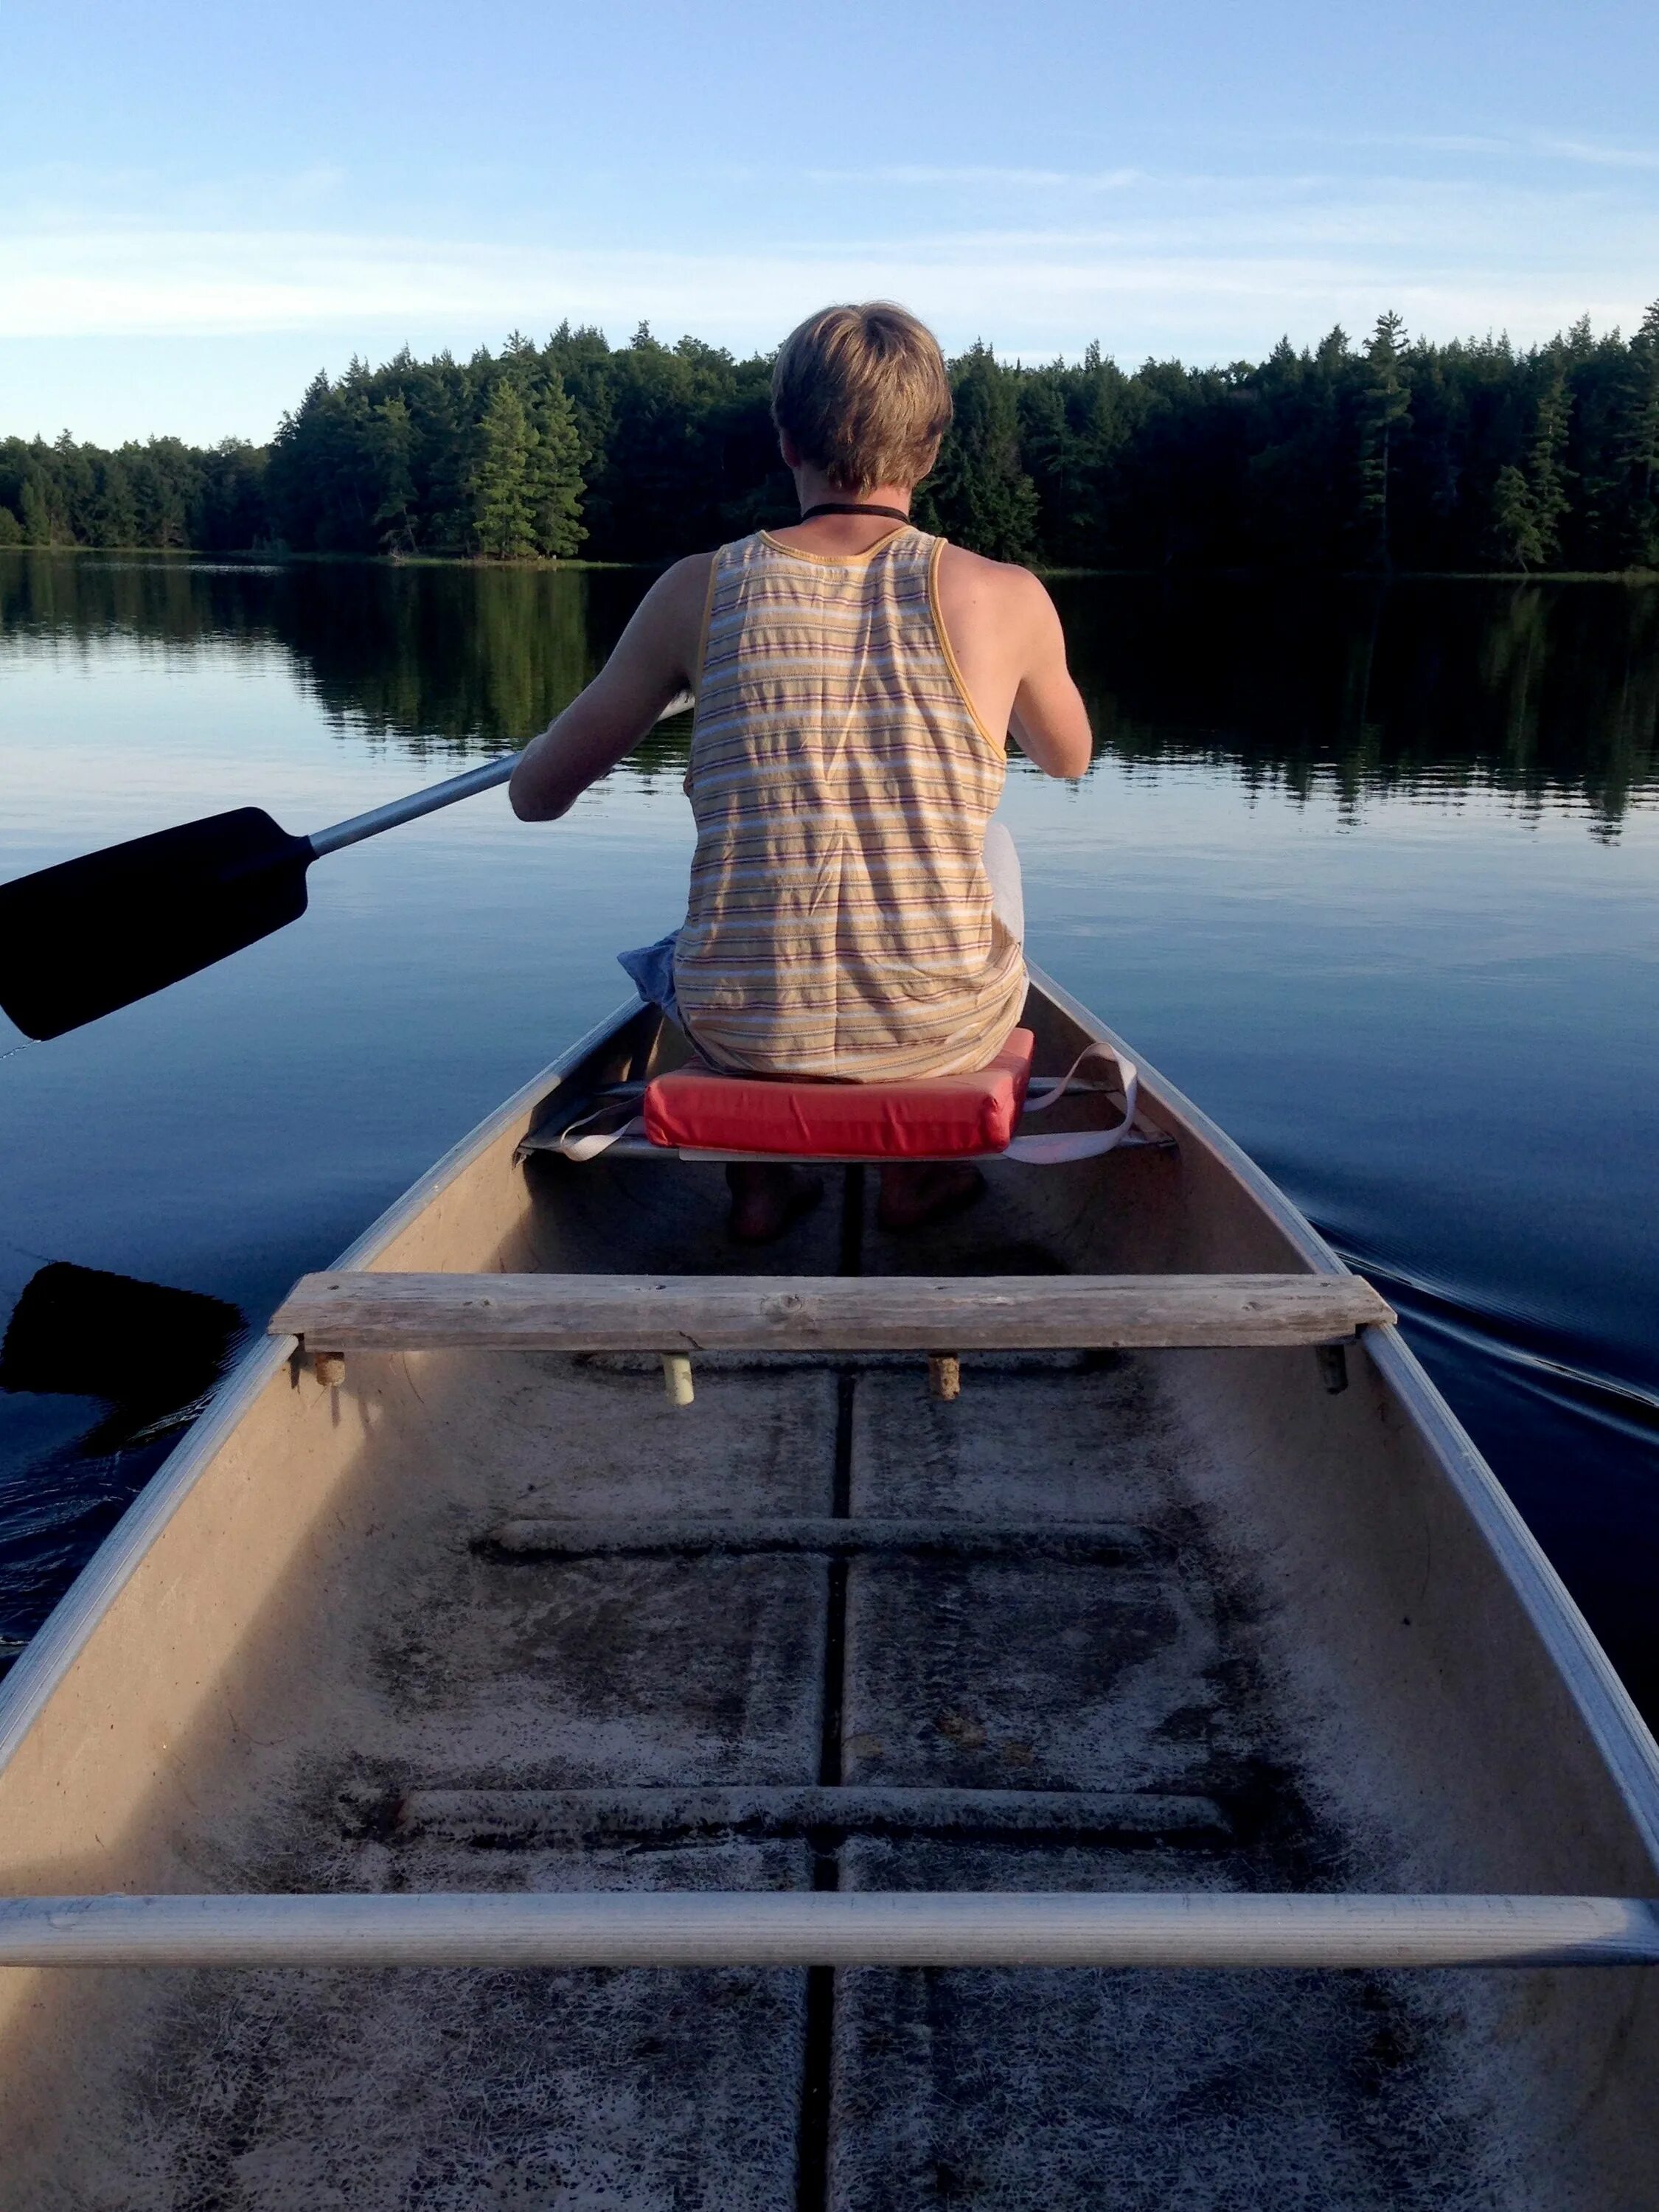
{"x":1375,"y":877}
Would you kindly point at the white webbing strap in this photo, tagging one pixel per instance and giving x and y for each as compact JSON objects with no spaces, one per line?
{"x":1078,"y":1143}
{"x":573,"y":1145}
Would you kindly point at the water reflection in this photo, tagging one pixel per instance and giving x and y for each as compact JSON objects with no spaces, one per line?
{"x":1537,"y":690}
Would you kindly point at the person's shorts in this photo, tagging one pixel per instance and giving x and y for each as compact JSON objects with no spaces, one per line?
{"x":650,"y":969}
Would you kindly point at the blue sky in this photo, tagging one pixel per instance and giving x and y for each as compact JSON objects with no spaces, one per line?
{"x":202,"y":205}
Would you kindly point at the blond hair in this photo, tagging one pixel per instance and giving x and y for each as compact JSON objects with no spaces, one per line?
{"x":863,"y":393}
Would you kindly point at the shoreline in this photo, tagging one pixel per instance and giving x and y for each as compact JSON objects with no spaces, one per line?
{"x":253,"y":557}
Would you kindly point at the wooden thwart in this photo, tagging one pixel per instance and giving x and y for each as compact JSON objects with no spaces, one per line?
{"x":344,"y":1311}
{"x":827,"y":1928}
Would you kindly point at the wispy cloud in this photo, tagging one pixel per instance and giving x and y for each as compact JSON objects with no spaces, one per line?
{"x":320,"y":180}
{"x":983,"y":178}
{"x":1528,"y":146}
{"x":1211,"y":267}
{"x":1033,"y":291}
{"x":1441,"y":142}
{"x":77,"y":192}
{"x":1599,"y":156}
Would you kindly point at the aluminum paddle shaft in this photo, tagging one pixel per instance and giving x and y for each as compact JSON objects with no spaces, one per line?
{"x":466,"y":786}
{"x":396,"y":812}
{"x":93,"y":934}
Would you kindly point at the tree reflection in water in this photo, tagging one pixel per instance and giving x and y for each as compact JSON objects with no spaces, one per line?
{"x":1425,"y":687}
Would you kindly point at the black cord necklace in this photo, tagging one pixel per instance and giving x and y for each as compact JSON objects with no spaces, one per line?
{"x":853,"y":507}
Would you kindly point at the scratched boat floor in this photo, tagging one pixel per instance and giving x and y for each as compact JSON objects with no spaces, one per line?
{"x":872,"y":2089}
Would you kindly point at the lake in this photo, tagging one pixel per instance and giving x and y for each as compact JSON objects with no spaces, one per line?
{"x":1373,"y":874}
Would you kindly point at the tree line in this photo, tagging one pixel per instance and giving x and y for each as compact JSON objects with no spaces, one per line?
{"x":1391,"y":453}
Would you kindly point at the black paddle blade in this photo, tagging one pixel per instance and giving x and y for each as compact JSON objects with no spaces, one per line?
{"x":97,"y":1335}
{"x":89,"y":935}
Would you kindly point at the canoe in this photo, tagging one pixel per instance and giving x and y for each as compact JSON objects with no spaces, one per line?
{"x":1165,"y":1773}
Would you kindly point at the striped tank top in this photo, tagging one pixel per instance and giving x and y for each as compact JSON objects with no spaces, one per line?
{"x":840,"y":922}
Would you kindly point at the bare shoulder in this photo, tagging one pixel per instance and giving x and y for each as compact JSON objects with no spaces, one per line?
{"x":684,"y":583}
{"x":979,"y":570}
{"x":1000,"y":589}
{"x":664,"y":631}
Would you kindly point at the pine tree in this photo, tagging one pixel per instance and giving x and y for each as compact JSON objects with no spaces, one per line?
{"x":500,"y":502}
{"x":583,"y":362}
{"x":1517,"y":537}
{"x":1071,"y":433}
{"x":296,"y":471}
{"x":1637,"y":452}
{"x":391,"y":452}
{"x":1384,"y":407}
{"x":35,"y":512}
{"x":164,"y":482}
{"x":232,"y":513}
{"x":980,"y":494}
{"x":440,"y":408}
{"x":553,"y":474}
{"x":73,"y":490}
{"x":115,"y":512}
{"x":1546,"y":467}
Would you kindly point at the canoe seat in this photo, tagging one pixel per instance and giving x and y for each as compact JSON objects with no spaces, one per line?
{"x":696,"y":1112}
{"x":940,"y":1117}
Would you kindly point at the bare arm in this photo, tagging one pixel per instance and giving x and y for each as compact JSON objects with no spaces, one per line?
{"x":655,"y":659}
{"x":1008,"y":645}
{"x":1048,"y":722}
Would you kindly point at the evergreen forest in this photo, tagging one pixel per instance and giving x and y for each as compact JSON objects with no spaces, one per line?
{"x":1389,"y":454}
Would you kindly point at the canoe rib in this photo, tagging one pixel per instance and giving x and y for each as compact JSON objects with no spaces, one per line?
{"x":835,"y":1929}
{"x":346,"y":1311}
{"x":669,"y":1814}
{"x":613,"y":1536}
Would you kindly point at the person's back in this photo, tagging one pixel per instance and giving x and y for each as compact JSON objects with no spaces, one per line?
{"x":849,"y":671}
{"x":840,"y":922}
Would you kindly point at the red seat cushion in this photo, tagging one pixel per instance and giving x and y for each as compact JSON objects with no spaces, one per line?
{"x":939,"y":1117}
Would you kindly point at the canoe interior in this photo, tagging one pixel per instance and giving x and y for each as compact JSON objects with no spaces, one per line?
{"x":1282,"y":1655}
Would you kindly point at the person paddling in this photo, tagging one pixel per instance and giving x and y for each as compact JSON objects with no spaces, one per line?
{"x":855,"y":912}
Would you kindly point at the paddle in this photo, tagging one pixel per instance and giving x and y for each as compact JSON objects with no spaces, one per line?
{"x":79,"y":941}
{"x":89,"y":1334}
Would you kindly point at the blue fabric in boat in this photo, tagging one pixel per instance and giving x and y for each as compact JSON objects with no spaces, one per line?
{"x":650,"y":969}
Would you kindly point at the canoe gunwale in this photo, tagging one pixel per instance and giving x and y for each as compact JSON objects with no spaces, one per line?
{"x":1620,"y":1735}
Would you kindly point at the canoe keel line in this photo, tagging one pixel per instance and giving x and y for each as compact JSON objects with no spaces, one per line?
{"x":839,"y":1929}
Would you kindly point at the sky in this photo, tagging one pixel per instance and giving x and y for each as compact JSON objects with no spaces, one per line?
{"x":200,"y":206}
